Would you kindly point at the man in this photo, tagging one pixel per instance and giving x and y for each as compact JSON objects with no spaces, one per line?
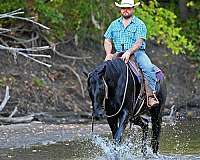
{"x":128,"y":33}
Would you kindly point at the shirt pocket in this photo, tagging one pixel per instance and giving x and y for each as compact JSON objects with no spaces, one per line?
{"x":116,"y":33}
{"x":131,"y":31}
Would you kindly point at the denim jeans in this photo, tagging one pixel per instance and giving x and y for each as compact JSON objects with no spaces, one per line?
{"x":147,"y":67}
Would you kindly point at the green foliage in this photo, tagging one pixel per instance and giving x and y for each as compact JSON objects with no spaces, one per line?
{"x":10,"y":5}
{"x":191,"y":28}
{"x":50,"y":15}
{"x":7,"y":6}
{"x":38,"y":82}
{"x":161,"y":24}
{"x":103,"y":12}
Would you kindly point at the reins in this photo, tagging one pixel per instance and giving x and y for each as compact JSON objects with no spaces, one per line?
{"x":124,"y":96}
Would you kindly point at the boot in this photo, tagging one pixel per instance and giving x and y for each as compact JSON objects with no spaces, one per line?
{"x":152,"y":100}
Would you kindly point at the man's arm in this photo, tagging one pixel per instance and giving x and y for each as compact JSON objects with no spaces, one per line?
{"x":108,"y":49}
{"x":136,"y":46}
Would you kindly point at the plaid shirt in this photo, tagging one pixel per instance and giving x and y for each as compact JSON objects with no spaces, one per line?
{"x":124,"y":38}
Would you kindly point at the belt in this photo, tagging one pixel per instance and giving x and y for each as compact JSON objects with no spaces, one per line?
{"x":141,"y":49}
{"x":125,"y":51}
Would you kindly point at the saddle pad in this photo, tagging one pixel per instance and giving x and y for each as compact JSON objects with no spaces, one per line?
{"x":159,"y":73}
{"x":136,"y":70}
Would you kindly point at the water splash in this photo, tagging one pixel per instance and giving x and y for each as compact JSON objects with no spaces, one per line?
{"x":130,"y":149}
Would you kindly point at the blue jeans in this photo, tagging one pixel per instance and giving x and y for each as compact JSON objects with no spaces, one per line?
{"x":147,"y":67}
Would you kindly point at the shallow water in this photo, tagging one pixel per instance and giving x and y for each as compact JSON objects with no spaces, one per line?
{"x":180,"y":141}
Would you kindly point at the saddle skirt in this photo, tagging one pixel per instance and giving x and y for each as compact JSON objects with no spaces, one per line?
{"x":142,"y":96}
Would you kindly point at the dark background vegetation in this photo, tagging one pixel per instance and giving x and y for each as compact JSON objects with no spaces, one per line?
{"x":76,"y":30}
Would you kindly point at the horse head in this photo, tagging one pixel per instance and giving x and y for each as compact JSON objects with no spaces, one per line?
{"x":96,"y":90}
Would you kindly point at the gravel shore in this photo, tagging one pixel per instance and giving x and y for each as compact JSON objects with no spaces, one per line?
{"x":37,"y":133}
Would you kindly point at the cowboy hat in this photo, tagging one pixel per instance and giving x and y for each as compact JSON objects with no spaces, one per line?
{"x":127,"y":3}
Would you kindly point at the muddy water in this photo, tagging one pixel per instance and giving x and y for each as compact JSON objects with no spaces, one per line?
{"x":178,"y":141}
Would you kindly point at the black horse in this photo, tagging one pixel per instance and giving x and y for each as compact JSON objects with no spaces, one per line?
{"x":109,"y":87}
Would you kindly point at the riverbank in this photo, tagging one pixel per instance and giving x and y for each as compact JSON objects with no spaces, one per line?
{"x":37,"y":133}
{"x":63,"y":87}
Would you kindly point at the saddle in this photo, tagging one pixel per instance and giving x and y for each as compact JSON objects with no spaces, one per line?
{"x":137,"y":70}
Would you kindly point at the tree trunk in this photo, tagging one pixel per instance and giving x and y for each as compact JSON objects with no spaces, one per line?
{"x":30,"y":9}
{"x":183,"y":9}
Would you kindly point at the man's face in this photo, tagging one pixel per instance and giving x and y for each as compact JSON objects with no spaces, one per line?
{"x":127,"y":12}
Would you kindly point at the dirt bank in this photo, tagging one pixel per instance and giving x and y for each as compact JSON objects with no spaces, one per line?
{"x":62,"y":88}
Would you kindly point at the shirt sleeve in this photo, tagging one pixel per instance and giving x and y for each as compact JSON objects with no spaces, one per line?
{"x":141,"y":32}
{"x":108,"y":33}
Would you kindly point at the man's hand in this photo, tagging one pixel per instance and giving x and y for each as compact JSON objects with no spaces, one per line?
{"x":108,"y":57}
{"x":126,"y":56}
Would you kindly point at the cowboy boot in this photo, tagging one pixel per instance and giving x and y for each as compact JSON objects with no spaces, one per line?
{"x":152,"y":100}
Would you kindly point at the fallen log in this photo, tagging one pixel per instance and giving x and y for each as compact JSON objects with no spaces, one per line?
{"x":5,"y":100}
{"x":10,"y":119}
{"x":14,"y":120}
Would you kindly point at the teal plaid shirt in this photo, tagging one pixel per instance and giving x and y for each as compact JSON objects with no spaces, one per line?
{"x":126,"y":37}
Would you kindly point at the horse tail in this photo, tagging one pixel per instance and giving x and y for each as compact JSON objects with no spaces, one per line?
{"x":162,"y":93}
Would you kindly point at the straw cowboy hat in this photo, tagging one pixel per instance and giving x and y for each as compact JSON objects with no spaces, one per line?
{"x":127,"y":3}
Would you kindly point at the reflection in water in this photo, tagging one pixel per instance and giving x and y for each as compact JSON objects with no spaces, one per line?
{"x":178,"y":142}
{"x":181,"y":138}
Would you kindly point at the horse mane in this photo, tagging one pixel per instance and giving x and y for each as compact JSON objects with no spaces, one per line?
{"x":110,"y":70}
{"x":115,"y":68}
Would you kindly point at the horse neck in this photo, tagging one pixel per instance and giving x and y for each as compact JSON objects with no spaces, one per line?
{"x":111,"y":76}
{"x":115,"y":70}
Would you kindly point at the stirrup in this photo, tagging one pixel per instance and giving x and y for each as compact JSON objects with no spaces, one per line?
{"x":154,"y":98}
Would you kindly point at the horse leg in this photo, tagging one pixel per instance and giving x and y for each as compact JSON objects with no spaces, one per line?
{"x":143,"y":123}
{"x":113,"y":124}
{"x":123,"y":120}
{"x":156,"y":127}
